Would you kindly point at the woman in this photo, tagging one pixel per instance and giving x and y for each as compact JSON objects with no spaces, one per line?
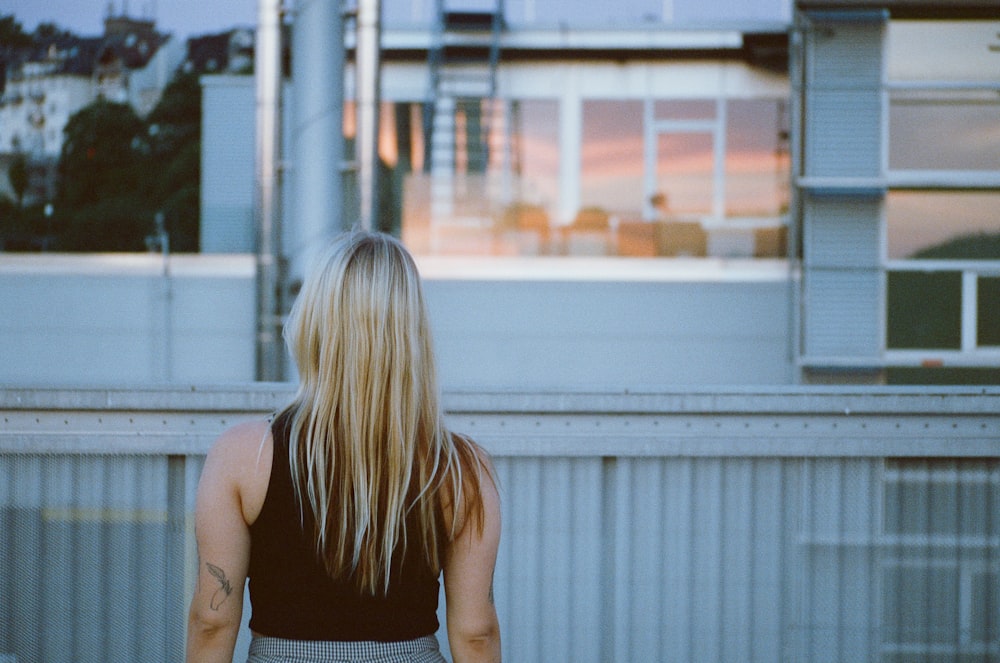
{"x":346,"y":508}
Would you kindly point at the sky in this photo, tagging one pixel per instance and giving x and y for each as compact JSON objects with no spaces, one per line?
{"x":183,"y":18}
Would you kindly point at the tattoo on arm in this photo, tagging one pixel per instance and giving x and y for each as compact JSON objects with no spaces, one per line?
{"x":224,"y":590}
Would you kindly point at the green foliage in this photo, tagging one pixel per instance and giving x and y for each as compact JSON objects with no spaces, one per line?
{"x":976,"y":246}
{"x":12,"y":34}
{"x":9,"y":216}
{"x":46,"y":31}
{"x":119,"y":223}
{"x":117,"y":171}
{"x":17,"y":175}
{"x":103,"y":155}
{"x":175,"y":172}
{"x":103,"y":172}
{"x":180,"y":103}
{"x":23,"y":228}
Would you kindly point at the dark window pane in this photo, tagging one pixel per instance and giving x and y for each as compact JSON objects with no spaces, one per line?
{"x":988,"y":307}
{"x":921,"y":605}
{"x":924,"y":310}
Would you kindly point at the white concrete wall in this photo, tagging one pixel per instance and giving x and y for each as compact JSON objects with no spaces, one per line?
{"x":122,"y":319}
{"x":118,"y":320}
{"x":610,"y":324}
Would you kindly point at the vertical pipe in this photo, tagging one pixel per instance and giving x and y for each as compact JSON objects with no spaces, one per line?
{"x":719,"y":157}
{"x":317,"y":134}
{"x":368,"y":66}
{"x":650,"y":156}
{"x":267,"y":68}
{"x":796,"y":271}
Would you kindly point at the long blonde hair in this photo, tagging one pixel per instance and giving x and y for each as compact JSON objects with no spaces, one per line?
{"x":369,"y":451}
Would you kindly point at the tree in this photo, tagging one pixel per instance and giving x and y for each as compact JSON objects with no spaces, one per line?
{"x":175,"y":144}
{"x":17,"y":175}
{"x":48,"y":31}
{"x":103,"y":169}
{"x":12,"y":35}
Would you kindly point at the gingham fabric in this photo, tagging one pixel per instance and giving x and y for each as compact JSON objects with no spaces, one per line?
{"x":265,"y":649}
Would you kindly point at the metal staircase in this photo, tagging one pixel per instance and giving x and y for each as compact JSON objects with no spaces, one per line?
{"x":462,"y":60}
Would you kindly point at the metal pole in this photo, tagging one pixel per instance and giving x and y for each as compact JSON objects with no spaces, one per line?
{"x":368,"y":66}
{"x":316,"y":176}
{"x":267,"y":68}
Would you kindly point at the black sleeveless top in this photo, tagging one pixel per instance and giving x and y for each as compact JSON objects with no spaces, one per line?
{"x":293,"y":597}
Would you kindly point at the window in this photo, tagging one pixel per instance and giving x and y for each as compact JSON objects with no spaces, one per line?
{"x":943,"y":225}
{"x":925,"y":310}
{"x":567,"y":176}
{"x":612,"y":157}
{"x":943,"y":129}
{"x":941,"y":578}
{"x":943,"y":171}
{"x":757,"y":158}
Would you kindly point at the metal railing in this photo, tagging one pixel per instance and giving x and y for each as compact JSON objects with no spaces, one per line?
{"x":790,"y":524}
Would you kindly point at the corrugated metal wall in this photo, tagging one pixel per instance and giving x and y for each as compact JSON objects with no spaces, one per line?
{"x":747,"y":559}
{"x":791,"y":526}
{"x":91,"y":558}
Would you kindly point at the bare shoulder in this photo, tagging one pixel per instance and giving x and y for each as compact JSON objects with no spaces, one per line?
{"x":241,"y":458}
{"x":242,"y":439}
{"x":480,"y":455}
{"x":481,"y":482}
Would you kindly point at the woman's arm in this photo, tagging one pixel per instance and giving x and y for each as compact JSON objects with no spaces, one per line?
{"x":473,"y":628}
{"x":223,"y":538}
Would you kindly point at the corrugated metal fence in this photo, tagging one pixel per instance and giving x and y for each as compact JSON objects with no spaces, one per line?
{"x":784,"y":525}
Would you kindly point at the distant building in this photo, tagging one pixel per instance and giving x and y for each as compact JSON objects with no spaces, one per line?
{"x":789,"y":132}
{"x":46,"y":85}
{"x":229,"y":52}
{"x":135,"y":63}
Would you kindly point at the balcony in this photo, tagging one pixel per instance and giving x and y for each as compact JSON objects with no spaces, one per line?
{"x":787,"y":524}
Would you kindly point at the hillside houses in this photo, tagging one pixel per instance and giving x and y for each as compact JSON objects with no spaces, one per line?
{"x":42,"y":86}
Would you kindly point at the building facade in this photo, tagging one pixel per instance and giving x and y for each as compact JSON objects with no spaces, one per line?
{"x":792,"y":135}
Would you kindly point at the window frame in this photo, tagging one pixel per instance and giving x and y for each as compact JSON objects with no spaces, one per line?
{"x":970,"y":353}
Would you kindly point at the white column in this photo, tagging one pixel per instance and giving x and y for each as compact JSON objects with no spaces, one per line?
{"x":570,"y":150}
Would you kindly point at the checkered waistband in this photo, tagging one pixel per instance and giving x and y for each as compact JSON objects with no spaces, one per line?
{"x":265,"y":649}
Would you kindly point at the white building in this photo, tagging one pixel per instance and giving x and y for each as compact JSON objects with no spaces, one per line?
{"x":548,"y":264}
{"x":688,"y":507}
{"x":37,"y":105}
{"x":131,"y":63}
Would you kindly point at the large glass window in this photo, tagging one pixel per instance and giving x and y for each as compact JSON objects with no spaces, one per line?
{"x":534,"y":153}
{"x":702,"y":178}
{"x":611,"y":164}
{"x":942,"y":227}
{"x":944,"y":130}
{"x":757,"y":158}
{"x":688,"y":184}
{"x":925,"y":310}
{"x":656,"y":178}
{"x":943,"y":224}
{"x":940,"y":585}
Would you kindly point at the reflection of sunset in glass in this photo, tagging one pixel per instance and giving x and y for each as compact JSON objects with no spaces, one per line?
{"x":756,"y":167}
{"x":514,"y":207}
{"x":919,"y":220}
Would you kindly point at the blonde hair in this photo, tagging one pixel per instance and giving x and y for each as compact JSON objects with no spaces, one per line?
{"x":369,"y":451}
